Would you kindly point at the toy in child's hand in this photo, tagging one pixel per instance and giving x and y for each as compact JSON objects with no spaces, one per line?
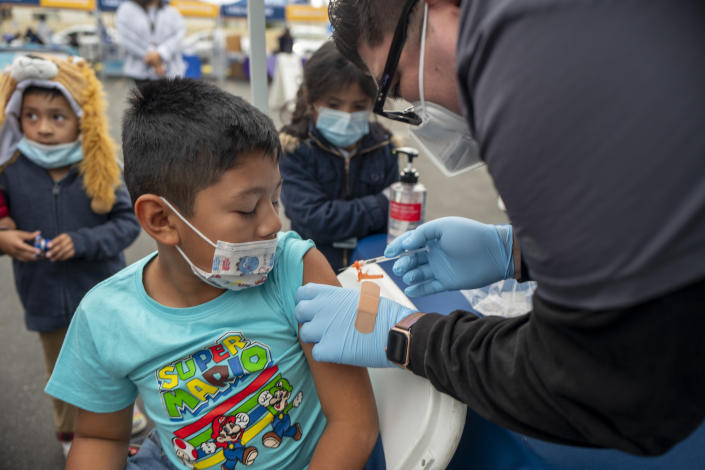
{"x":42,"y":244}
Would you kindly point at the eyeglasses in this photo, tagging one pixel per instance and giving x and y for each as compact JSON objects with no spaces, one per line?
{"x":407,"y":116}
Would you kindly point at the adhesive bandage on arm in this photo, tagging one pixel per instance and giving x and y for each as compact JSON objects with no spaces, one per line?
{"x":367,"y":307}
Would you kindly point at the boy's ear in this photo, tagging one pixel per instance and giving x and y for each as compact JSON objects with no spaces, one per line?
{"x":153,"y":215}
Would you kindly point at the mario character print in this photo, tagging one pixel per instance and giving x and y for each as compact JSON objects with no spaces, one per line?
{"x":278,"y":399}
{"x":227,"y":432}
{"x":188,"y":454}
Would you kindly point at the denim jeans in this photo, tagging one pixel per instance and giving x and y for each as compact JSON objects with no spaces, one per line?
{"x":151,"y":456}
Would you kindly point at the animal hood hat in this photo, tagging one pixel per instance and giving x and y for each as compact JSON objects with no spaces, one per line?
{"x":78,"y":83}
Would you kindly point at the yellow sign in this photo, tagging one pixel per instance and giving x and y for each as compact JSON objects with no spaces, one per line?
{"x":194,"y":8}
{"x":306,"y":13}
{"x":72,"y":4}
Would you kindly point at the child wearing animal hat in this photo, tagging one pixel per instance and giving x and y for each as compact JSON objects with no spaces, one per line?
{"x":60,"y":181}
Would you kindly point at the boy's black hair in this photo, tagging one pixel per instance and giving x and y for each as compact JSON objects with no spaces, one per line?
{"x":180,"y":135}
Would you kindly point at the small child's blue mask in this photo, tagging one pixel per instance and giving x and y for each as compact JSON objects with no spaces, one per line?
{"x":342,"y":129}
{"x":51,"y":156}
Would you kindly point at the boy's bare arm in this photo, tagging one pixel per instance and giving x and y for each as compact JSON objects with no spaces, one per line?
{"x":345,"y":393}
{"x":100,"y":440}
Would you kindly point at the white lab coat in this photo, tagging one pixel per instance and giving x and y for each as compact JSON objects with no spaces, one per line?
{"x":160,"y":30}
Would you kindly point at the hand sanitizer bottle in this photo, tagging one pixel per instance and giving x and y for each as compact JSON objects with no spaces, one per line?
{"x":407,"y":199}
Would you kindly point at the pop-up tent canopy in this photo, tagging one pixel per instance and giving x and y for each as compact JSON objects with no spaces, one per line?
{"x":66,"y":4}
{"x":256,"y":12}
{"x":274,"y":10}
{"x":191,"y":8}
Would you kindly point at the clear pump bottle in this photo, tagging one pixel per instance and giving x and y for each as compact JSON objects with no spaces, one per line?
{"x":407,"y":199}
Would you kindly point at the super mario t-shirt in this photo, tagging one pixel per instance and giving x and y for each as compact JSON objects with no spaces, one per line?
{"x":225,"y":382}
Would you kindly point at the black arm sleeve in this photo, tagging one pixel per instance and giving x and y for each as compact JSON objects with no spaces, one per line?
{"x":524,"y":274}
{"x":631,"y":379}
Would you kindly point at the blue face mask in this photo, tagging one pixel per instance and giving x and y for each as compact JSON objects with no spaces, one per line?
{"x":51,"y":156}
{"x":342,"y":129}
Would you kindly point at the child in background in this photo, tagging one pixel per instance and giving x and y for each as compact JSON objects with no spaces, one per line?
{"x":204,"y":328}
{"x":336,"y":164}
{"x":61,"y":181}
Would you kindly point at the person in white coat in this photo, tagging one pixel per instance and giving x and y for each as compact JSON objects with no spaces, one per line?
{"x":151,"y":34}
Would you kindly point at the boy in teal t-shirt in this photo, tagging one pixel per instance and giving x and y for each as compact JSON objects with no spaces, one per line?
{"x":204,"y":329}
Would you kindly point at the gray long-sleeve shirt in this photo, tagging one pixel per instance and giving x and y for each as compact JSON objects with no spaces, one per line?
{"x":141,"y":31}
{"x":590,"y":116}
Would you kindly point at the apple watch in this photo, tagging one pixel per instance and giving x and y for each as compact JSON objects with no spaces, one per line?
{"x":399,"y":340}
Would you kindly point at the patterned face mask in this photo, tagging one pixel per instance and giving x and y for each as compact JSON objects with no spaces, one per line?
{"x":236,"y":266}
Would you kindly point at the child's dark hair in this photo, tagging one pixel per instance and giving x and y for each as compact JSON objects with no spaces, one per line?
{"x":179,"y":136}
{"x":327,"y":70}
{"x":49,"y":92}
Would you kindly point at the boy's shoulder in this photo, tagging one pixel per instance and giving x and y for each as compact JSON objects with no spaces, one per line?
{"x":288,"y":261}
{"x":290,"y":245}
{"x":119,"y":291}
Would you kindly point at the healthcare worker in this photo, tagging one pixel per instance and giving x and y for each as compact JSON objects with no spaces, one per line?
{"x":590,"y":116}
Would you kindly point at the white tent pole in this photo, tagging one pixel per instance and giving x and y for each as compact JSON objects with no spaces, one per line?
{"x":220,"y":58}
{"x":258,"y":53}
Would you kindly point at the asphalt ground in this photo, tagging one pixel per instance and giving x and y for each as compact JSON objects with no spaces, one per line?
{"x":26,"y":427}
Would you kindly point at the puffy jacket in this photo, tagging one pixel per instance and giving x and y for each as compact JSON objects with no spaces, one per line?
{"x":330,"y":198}
{"x":50,"y":292}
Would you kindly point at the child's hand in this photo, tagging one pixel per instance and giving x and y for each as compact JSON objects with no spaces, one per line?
{"x":14,"y":244}
{"x":61,"y":248}
{"x":7,"y":223}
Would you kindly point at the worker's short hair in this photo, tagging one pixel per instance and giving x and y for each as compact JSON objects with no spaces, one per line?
{"x":358,"y":22}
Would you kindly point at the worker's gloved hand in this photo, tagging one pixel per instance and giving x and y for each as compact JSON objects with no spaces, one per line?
{"x":327,"y":315}
{"x":462,"y":254}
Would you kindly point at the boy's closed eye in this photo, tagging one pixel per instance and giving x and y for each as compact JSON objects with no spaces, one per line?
{"x":247,"y":213}
{"x":251,"y":213}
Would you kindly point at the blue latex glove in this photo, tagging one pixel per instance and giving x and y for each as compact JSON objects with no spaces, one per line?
{"x":462,"y":254}
{"x":327,"y":315}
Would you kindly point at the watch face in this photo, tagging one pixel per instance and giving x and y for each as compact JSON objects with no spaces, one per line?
{"x":396,"y":346}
